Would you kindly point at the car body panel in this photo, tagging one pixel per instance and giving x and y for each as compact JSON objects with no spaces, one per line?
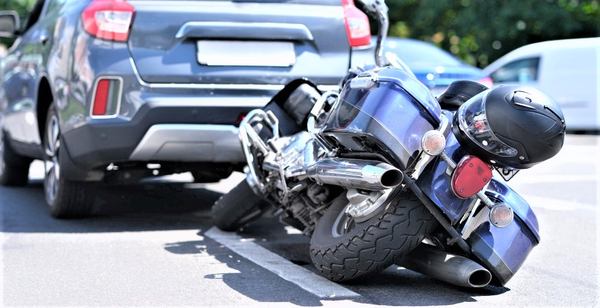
{"x":167,"y":51}
{"x":158,"y":86}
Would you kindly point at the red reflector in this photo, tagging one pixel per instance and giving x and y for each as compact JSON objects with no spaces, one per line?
{"x":357,"y":25}
{"x":470,"y":176}
{"x":108,"y":19}
{"x":101,"y":97}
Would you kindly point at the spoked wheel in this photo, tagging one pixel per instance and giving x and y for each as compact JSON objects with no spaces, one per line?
{"x":344,"y":247}
{"x":66,"y":199}
{"x":14,"y":169}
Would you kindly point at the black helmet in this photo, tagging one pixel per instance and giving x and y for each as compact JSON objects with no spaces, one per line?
{"x":511,"y":126}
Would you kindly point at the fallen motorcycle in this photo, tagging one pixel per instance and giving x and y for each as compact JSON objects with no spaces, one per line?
{"x":382,"y":172}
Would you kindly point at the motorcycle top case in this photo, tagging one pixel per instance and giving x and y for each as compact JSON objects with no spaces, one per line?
{"x":386,"y":109}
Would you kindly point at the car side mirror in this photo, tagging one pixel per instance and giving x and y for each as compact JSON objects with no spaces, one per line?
{"x":9,"y":23}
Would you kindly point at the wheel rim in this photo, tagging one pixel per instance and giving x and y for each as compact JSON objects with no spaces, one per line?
{"x":51,"y":165}
{"x":346,"y":221}
{"x":2,"y":166}
{"x":343,"y":223}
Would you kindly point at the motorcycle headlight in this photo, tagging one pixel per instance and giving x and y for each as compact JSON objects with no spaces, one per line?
{"x":472,"y":121}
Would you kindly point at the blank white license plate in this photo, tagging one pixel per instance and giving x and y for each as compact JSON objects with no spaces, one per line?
{"x":246,"y":53}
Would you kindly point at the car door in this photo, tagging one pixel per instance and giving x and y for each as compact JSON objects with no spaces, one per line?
{"x":21,"y":72}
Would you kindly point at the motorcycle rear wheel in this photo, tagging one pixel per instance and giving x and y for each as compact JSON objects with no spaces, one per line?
{"x":372,"y":245}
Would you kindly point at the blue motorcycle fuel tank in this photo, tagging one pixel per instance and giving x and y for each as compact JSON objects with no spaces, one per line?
{"x":385,"y":108}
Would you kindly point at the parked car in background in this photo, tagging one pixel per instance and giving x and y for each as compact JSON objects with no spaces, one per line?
{"x":433,"y":66}
{"x":105,"y":90}
{"x":567,"y":70}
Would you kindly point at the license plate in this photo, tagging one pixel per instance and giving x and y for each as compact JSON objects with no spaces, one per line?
{"x":246,"y":53}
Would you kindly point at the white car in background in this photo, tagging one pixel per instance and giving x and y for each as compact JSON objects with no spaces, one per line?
{"x":567,"y":70}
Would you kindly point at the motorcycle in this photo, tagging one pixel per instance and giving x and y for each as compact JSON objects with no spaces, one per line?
{"x":381,"y":172}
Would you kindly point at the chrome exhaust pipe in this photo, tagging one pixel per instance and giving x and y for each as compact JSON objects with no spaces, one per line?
{"x":355,"y":173}
{"x":453,"y":269}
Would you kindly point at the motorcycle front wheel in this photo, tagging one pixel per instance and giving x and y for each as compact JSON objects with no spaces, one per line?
{"x":238,"y":208}
{"x":342,"y":249}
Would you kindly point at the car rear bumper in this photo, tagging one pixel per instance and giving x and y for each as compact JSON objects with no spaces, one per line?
{"x":159,"y":133}
{"x":189,"y":143}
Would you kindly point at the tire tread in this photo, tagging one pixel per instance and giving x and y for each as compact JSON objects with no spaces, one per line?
{"x":399,"y":230}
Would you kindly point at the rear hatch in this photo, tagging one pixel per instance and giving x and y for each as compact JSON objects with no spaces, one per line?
{"x":239,"y":42}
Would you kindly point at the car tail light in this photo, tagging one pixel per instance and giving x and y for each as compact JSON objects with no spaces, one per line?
{"x":108,"y":19}
{"x":357,"y":25}
{"x":486,"y":81}
{"x":470,"y":176}
{"x":106,"y":98}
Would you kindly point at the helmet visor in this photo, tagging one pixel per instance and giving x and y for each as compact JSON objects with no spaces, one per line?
{"x":472,"y":120}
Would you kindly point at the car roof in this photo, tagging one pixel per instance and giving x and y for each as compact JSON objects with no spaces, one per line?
{"x":412,"y":49}
{"x":540,"y":48}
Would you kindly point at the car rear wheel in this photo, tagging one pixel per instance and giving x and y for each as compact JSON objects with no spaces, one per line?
{"x":66,"y":199}
{"x":14,"y":169}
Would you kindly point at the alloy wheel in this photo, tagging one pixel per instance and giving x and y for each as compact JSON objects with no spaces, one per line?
{"x":2,"y":164}
{"x":51,"y":164}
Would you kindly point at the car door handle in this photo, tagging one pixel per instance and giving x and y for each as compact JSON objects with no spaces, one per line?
{"x":43,"y":38}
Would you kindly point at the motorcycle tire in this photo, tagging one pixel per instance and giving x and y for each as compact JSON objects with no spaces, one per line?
{"x":372,"y":245}
{"x":238,"y":208}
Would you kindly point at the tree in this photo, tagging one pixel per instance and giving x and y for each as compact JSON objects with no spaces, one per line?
{"x":481,"y":31}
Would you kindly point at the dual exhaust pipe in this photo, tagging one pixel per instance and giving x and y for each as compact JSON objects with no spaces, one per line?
{"x":453,"y":269}
{"x":355,"y":173}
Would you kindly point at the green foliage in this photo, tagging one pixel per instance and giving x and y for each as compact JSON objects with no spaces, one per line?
{"x":480,"y":31}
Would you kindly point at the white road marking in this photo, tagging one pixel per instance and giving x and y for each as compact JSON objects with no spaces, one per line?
{"x":282,"y":267}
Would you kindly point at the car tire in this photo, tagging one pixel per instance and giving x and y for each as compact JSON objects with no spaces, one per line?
{"x":14,"y":168}
{"x":237,"y":208}
{"x":212,"y":174}
{"x":372,"y":245}
{"x":66,"y":199}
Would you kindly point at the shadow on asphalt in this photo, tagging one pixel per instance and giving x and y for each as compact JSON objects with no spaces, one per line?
{"x":139,"y":207}
{"x":173,"y":206}
{"x":249,"y":280}
{"x":393,"y":287}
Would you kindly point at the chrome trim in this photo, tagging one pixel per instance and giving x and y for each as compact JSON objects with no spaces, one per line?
{"x":257,"y":27}
{"x":93,"y":98}
{"x":210,"y":101}
{"x":249,"y":138}
{"x":189,"y":143}
{"x":215,"y":86}
{"x":424,"y":158}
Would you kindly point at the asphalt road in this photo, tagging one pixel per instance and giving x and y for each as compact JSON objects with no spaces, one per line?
{"x":152,"y":244}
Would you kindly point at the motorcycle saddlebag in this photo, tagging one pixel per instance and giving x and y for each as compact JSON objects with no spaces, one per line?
{"x":504,"y":250}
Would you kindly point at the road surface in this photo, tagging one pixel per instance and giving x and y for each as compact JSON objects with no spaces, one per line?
{"x":153,"y":244}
